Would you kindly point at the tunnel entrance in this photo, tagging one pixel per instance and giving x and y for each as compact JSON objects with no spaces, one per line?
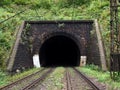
{"x":59,"y":51}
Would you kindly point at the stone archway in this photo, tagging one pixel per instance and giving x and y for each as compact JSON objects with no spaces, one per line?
{"x":59,"y":50}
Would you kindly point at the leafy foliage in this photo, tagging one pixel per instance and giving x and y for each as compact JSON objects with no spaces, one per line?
{"x":5,"y":2}
{"x":21,"y":2}
{"x":48,"y":10}
{"x":43,"y":4}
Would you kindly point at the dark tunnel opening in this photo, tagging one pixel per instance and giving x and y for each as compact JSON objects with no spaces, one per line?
{"x":59,"y":51}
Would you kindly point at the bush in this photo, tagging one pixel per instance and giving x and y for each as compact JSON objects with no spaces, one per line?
{"x":41,"y":4}
{"x":69,"y":3}
{"x":5,"y":46}
{"x":94,"y":67}
{"x":21,"y":2}
{"x":5,"y":2}
{"x":77,"y":2}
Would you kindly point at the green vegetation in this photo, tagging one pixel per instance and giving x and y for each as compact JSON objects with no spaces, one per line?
{"x":48,"y":10}
{"x":6,"y":79}
{"x":54,"y":81}
{"x":103,"y":77}
{"x":3,"y":78}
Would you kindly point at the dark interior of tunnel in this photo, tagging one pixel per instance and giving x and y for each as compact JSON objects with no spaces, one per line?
{"x":59,"y":51}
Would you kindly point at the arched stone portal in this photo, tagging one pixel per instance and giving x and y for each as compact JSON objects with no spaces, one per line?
{"x":55,"y":43}
{"x":59,"y":50}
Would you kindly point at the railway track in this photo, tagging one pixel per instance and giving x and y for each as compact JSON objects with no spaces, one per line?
{"x":69,"y":84}
{"x":79,"y":81}
{"x":75,"y":80}
{"x":29,"y":81}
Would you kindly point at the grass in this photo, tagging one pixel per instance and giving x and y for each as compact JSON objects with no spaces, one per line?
{"x":3,"y":78}
{"x":55,"y":79}
{"x":103,"y":77}
{"x":6,"y":78}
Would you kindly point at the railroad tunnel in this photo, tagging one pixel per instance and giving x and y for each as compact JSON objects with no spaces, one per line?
{"x":59,"y":50}
{"x":58,"y":43}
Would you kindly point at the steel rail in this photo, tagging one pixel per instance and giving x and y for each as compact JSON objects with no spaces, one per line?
{"x":38,"y":80}
{"x":87,"y":80}
{"x":20,"y":80}
{"x":69,"y":84}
